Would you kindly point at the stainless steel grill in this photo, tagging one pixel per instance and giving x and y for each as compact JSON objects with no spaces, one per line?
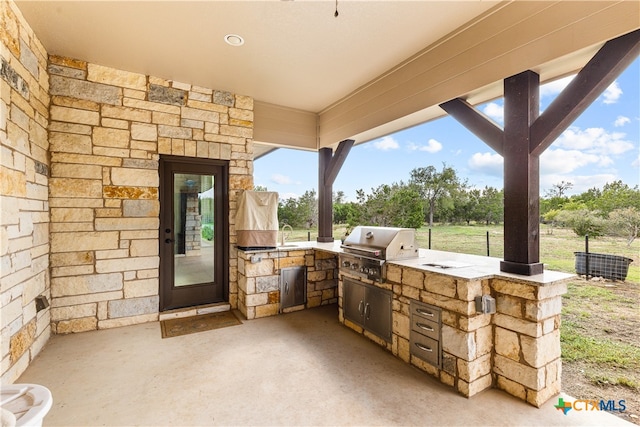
{"x":366,"y":250}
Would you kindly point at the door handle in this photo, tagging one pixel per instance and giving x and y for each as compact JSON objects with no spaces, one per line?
{"x":168,"y":240}
{"x":367,"y":311}
{"x":360,"y":308}
{"x":286,"y":288}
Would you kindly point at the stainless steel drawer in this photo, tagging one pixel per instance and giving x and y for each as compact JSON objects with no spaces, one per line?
{"x":425,"y":311}
{"x":425,"y":327}
{"x":425,"y":348}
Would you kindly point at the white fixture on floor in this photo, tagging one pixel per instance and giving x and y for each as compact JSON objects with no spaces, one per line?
{"x":24,"y":404}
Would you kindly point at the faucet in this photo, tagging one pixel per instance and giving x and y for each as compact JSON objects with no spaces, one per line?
{"x":282,"y":235}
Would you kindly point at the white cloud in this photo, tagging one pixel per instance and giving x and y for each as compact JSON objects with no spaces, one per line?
{"x":495,"y":111}
{"x":555,"y":87}
{"x":621,"y":121}
{"x":594,"y":141}
{"x":612,"y":93}
{"x":561,"y":161}
{"x":432,"y":146}
{"x":489,"y":163}
{"x":636,"y":162}
{"x":386,"y":143}
{"x":281,"y":179}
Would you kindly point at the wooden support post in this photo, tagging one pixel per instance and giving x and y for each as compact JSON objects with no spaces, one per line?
{"x":526,"y":136}
{"x":521,"y":176}
{"x":328,"y":167}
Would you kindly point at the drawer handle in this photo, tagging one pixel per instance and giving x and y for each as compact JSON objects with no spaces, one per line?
{"x":360,"y":305}
{"x":424,"y":313}
{"x":425,"y":327}
{"x":423,"y":347}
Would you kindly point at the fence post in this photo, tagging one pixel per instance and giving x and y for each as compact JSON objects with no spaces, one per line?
{"x":487,"y":243}
{"x":586,"y":254}
{"x":429,"y":238}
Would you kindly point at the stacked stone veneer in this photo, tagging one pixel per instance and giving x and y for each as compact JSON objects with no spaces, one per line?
{"x":517,"y":349}
{"x":108,"y":128}
{"x":24,"y":177}
{"x":193,"y":226}
{"x":259,"y":280}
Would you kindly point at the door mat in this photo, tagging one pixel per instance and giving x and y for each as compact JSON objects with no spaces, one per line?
{"x":205,"y":322}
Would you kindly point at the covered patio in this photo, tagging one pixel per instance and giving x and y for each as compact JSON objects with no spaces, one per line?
{"x":95,"y":96}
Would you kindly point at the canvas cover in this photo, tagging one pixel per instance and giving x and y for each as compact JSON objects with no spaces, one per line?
{"x":257,"y":219}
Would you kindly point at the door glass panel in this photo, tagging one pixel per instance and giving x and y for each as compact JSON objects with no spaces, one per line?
{"x":193,"y":243}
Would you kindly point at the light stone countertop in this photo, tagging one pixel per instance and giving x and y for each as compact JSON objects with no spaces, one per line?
{"x":474,"y":267}
{"x":463,"y":266}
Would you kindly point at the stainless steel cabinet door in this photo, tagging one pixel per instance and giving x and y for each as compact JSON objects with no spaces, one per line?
{"x":353,"y":301}
{"x":293,"y":286}
{"x":377,"y":312}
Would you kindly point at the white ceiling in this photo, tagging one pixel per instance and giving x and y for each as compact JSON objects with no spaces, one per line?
{"x":296,"y":53}
{"x":378,"y":67}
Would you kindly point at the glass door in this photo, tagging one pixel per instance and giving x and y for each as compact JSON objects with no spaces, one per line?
{"x":193,"y":237}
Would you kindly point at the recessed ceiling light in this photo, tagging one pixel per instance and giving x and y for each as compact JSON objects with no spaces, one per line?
{"x":234,"y":40}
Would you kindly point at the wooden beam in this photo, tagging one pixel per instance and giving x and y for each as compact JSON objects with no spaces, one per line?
{"x":337,"y":161}
{"x":521,"y":176}
{"x":610,"y":61}
{"x":328,"y":167}
{"x":481,"y":126}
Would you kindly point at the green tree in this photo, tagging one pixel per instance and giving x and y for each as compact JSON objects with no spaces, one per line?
{"x":491,"y":206}
{"x":625,"y":222}
{"x":465,"y":205}
{"x":301,"y":212}
{"x":616,"y":195}
{"x":583,"y":222}
{"x":396,"y":205}
{"x":308,"y":209}
{"x":434,"y":186}
{"x":288,"y":212}
{"x":405,"y":208}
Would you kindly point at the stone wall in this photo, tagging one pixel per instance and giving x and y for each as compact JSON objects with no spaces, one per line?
{"x":24,"y":171}
{"x":259,"y":279}
{"x":527,"y":356}
{"x":108,"y":129}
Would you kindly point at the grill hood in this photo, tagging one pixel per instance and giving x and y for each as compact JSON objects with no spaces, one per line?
{"x":386,"y":243}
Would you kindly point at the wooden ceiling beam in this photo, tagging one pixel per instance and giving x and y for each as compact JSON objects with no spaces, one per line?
{"x":481,"y":126}
{"x":600,"y":72}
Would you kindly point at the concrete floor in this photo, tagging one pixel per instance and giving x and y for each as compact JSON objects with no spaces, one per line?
{"x":302,"y":368}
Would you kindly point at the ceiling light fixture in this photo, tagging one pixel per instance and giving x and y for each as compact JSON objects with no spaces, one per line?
{"x":234,"y":40}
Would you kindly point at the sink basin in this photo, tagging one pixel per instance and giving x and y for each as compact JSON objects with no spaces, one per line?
{"x":447,"y":264}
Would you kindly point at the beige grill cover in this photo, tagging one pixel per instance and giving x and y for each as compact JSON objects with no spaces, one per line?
{"x":257,"y":219}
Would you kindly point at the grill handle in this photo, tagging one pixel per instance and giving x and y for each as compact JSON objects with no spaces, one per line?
{"x":362,"y":251}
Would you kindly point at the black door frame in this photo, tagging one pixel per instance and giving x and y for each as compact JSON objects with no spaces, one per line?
{"x":171,"y":297}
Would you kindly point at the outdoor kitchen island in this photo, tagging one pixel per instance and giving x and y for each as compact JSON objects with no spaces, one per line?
{"x":516,"y":348}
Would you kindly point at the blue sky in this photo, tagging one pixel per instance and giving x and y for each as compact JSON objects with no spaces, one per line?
{"x":602,"y":145}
